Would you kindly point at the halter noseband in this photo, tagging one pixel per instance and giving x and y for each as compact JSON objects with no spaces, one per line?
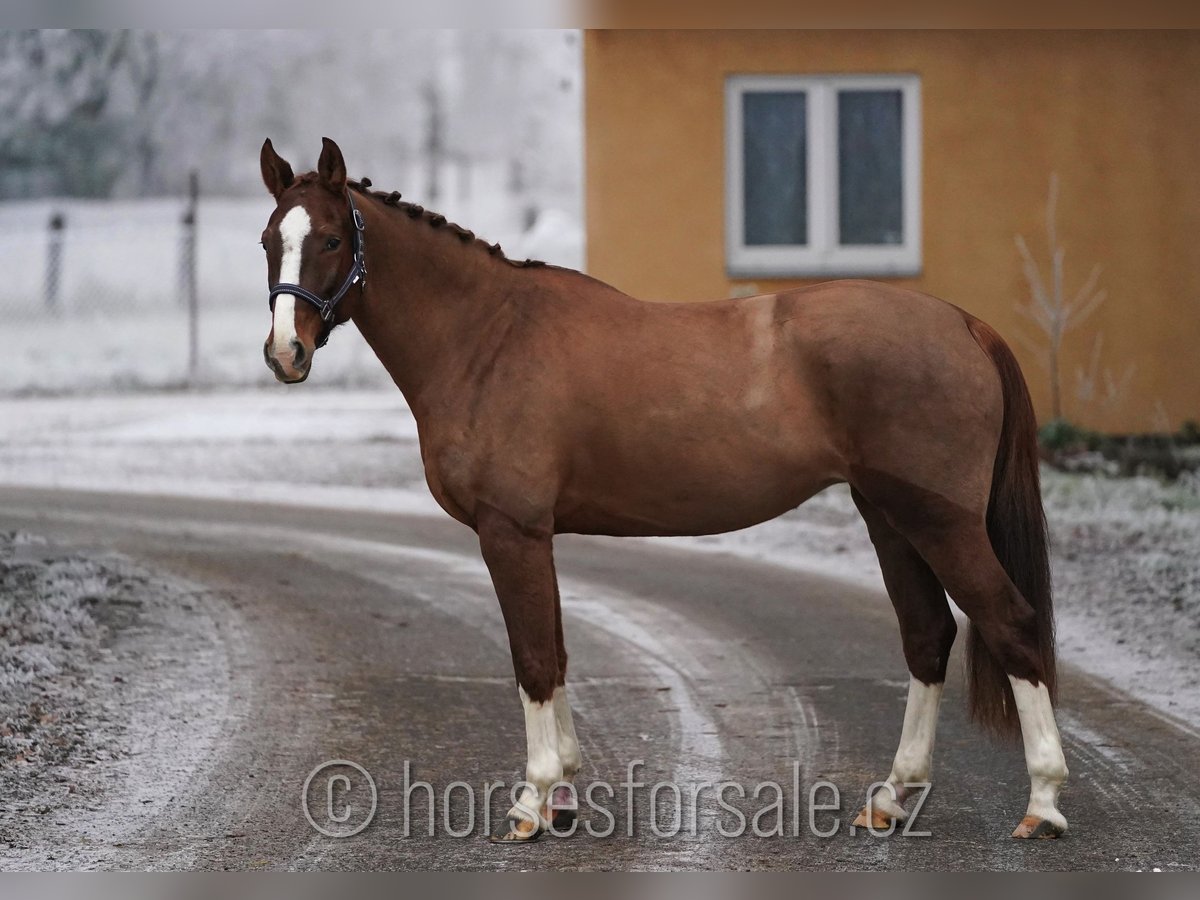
{"x":356,"y":275}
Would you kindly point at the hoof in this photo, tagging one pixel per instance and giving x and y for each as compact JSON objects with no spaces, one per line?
{"x":564,"y":819}
{"x":874,"y":818}
{"x":1037,"y":828}
{"x":564,"y":809}
{"x":516,"y":831}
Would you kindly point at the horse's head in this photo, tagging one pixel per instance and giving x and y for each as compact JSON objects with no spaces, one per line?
{"x":311,"y":242}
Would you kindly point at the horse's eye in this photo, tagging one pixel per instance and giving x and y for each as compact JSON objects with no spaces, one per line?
{"x":333,"y":243}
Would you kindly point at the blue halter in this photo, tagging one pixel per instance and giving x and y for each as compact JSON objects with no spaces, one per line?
{"x":357,"y":275}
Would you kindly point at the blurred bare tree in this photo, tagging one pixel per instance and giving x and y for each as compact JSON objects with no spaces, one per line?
{"x":1102,"y":390}
{"x":54,"y":92}
{"x":129,"y":113}
{"x":1048,"y":307}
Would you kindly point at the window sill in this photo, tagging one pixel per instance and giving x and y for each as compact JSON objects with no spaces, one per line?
{"x":823,"y":270}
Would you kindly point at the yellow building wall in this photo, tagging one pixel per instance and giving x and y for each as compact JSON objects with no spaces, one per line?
{"x":1115,"y":114}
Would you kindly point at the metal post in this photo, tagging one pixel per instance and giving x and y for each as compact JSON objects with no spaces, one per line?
{"x":435,"y":146}
{"x":188,"y":294}
{"x":54,"y":250}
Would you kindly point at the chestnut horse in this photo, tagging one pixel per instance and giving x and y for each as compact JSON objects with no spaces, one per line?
{"x":547,"y":402}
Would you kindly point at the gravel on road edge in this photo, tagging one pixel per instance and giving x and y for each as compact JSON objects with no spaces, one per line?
{"x":103,"y":665}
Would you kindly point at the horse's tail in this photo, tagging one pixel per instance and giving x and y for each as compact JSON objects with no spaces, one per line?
{"x":1016,"y":524}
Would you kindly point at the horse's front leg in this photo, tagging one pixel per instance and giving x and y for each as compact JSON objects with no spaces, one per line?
{"x":521,"y":562}
{"x":565,"y":802}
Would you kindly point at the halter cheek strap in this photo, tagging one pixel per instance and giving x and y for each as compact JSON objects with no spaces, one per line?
{"x":357,"y":275}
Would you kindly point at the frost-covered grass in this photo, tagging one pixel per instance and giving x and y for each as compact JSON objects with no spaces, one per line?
{"x":1088,"y":496}
{"x":44,"y":616}
{"x":1126,"y":563}
{"x":97,"y":658}
{"x":102,"y":354}
{"x":48,"y":637}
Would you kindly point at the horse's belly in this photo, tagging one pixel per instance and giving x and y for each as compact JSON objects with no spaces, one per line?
{"x":682,"y":496}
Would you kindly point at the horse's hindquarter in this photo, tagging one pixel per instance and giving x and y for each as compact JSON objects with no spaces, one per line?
{"x":913,"y":396}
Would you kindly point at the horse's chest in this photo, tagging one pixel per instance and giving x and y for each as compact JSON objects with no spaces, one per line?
{"x":450,"y":472}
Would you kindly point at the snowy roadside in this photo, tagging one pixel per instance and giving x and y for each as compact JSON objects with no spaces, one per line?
{"x":1126,"y":570}
{"x":103,"y":665}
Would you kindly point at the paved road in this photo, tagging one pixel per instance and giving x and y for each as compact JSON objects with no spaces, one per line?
{"x":376,"y":639}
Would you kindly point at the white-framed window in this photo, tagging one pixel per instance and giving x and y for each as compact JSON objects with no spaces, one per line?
{"x":823,"y":175}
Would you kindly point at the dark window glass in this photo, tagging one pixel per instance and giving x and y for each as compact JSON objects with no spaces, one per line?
{"x":870,"y":167}
{"x":775,"y":167}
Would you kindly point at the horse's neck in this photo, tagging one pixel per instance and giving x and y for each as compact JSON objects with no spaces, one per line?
{"x":432,"y":304}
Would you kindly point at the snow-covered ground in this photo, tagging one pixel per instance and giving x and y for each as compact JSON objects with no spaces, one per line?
{"x":103,"y":665}
{"x":1126,"y":569}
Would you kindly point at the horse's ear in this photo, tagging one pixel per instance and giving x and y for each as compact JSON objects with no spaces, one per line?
{"x":277,"y":174}
{"x":331,"y":167}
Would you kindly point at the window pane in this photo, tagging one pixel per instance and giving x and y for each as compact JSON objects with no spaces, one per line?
{"x":775,"y":167}
{"x":870,"y":180}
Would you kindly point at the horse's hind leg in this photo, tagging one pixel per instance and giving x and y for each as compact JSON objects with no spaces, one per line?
{"x":960,"y":552}
{"x":927,"y":631}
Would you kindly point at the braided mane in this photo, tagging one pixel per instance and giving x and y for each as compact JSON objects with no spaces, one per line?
{"x":434,"y":220}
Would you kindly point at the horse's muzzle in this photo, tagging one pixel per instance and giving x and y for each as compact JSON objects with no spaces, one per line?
{"x":291,"y":363}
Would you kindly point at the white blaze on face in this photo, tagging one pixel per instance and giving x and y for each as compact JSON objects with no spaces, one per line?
{"x":293,"y":230}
